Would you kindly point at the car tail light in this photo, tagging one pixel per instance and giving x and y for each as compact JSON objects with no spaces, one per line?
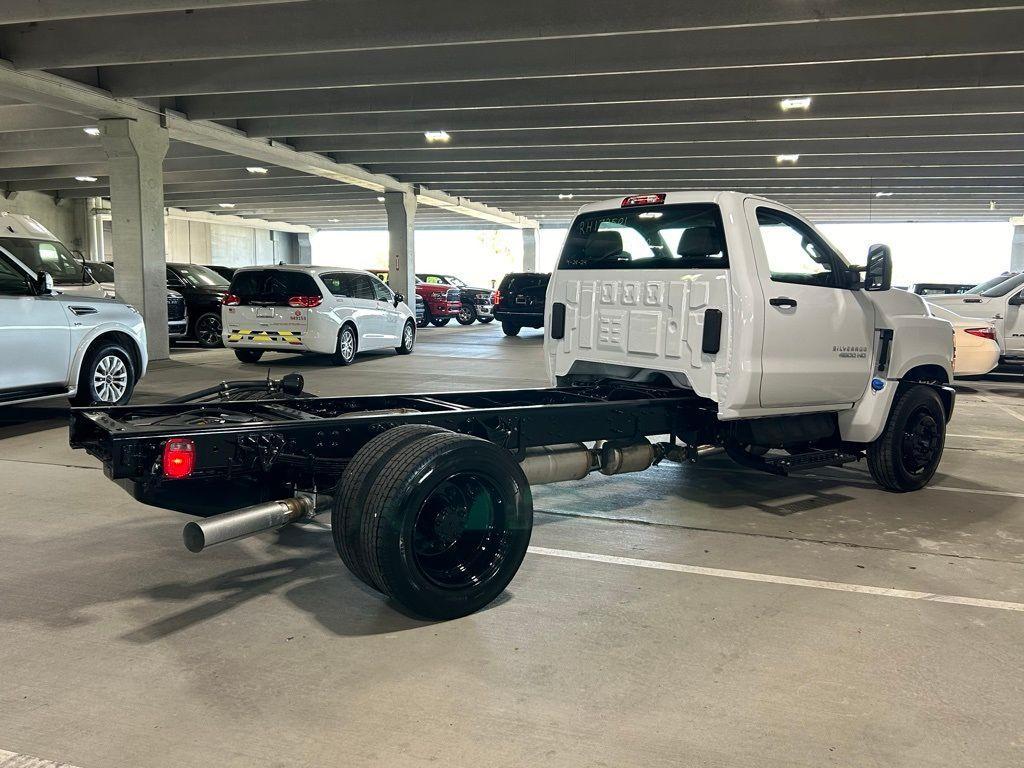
{"x":179,"y":458}
{"x":231,"y":300}
{"x":632,"y":200}
{"x":985,"y":333}
{"x":497,"y":298}
{"x":305,"y":301}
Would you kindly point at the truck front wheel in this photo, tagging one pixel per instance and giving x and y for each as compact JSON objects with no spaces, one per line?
{"x":446,"y":524}
{"x":906,"y":455}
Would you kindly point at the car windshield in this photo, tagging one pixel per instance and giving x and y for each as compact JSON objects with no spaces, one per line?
{"x":102,"y":273}
{"x":979,"y":289}
{"x":649,"y":237}
{"x":199,"y":276}
{"x":1004,"y":287}
{"x":47,"y":256}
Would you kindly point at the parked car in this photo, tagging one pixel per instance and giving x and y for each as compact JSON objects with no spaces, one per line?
{"x":226,"y":272}
{"x":440,"y":302}
{"x":90,"y":349}
{"x":477,"y":303}
{"x":39,"y":250}
{"x":420,"y":311}
{"x":975,"y":348}
{"x":519,"y":301}
{"x":203,"y":290}
{"x":940,"y":289}
{"x":331,"y":311}
{"x":177,"y":319}
{"x":999,"y":301}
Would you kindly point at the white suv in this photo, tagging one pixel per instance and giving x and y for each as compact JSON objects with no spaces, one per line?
{"x":92,"y":350}
{"x":328,"y":310}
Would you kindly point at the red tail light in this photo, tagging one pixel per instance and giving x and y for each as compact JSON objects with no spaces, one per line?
{"x":985,"y":333}
{"x":231,"y":300}
{"x":643,"y":200}
{"x":497,"y":298}
{"x":179,"y":458}
{"x":305,"y":301}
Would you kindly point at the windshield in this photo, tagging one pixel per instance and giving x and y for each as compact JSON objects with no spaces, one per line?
{"x":655,"y":237}
{"x":103,"y":273}
{"x":1004,"y":287}
{"x":200,"y":277}
{"x":47,"y":256}
{"x":982,"y":287}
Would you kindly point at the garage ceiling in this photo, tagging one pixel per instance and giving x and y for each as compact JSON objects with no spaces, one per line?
{"x":916,"y":107}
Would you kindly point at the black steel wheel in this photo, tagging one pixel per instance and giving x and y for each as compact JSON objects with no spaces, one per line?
{"x":907,"y":453}
{"x":207,"y":330}
{"x":248,"y":355}
{"x":446,"y":524}
{"x":408,"y":339}
{"x":440,"y":322}
{"x":467,"y":315}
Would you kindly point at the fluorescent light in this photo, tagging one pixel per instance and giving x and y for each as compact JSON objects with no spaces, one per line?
{"x":992,"y":205}
{"x":92,"y":131}
{"x":380,"y":199}
{"x":650,"y":215}
{"x":434,"y":137}
{"x":803,"y":102}
{"x":786,"y":158}
{"x":86,"y":178}
{"x":884,"y":194}
{"x":565,"y":197}
{"x":226,"y":205}
{"x":258,"y":170}
{"x":334,"y":221}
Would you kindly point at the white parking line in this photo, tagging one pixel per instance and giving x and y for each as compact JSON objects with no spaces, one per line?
{"x":834,"y":586}
{"x":1001,"y":407}
{"x":14,"y":760}
{"x":986,"y":437}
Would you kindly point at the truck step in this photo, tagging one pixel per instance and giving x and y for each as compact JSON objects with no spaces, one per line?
{"x":783,"y":465}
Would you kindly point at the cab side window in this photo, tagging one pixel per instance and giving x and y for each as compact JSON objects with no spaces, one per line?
{"x":795,"y":253}
{"x":382,"y":292}
{"x":12,"y":281}
{"x":338,"y":283}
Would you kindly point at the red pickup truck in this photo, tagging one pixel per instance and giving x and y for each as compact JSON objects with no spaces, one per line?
{"x":440,"y":302}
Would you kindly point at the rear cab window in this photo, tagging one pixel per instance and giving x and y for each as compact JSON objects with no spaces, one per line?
{"x":684,"y":236}
{"x":272,"y":287}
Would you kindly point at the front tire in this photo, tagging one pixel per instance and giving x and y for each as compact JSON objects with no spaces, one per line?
{"x":440,"y":322}
{"x":207,"y":330}
{"x":446,"y":524}
{"x":248,"y":355}
{"x":348,"y":345}
{"x":467,"y":315}
{"x":906,"y":455}
{"x":510,"y":329}
{"x":408,"y":339}
{"x":107,"y":377}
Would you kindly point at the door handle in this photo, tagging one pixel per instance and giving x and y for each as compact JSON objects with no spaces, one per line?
{"x":782,"y":301}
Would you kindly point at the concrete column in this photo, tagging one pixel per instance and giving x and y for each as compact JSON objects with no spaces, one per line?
{"x":135,"y":151}
{"x":95,"y":229}
{"x":530,"y":238}
{"x":401,"y":210}
{"x":1017,"y":247}
{"x":303,"y":249}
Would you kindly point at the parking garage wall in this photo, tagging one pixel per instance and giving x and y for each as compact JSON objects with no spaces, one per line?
{"x":201,"y":242}
{"x":65,"y":220}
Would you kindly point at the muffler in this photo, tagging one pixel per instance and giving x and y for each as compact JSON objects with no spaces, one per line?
{"x":574,"y":461}
{"x":200,"y":534}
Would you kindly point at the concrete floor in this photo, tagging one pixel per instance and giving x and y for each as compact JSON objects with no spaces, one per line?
{"x":119,"y":648}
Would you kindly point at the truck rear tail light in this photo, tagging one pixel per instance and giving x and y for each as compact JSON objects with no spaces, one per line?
{"x":633,"y":200}
{"x":179,"y":458}
{"x":305,"y":301}
{"x":497,"y":298}
{"x":985,"y":333}
{"x":231,"y":300}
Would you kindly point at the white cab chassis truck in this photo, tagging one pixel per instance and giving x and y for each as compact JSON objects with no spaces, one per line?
{"x":678,"y":324}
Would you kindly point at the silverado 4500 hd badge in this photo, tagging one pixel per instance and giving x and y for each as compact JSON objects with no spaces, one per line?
{"x":843,"y":351}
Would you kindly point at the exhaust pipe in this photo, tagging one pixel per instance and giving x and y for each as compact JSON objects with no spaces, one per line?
{"x":200,"y":534}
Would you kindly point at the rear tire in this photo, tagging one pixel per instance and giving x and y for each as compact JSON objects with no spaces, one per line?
{"x":408,"y":339}
{"x":510,"y":329}
{"x":446,"y":525}
{"x":107,"y":377}
{"x":440,"y":322}
{"x":248,"y":355}
{"x":907,"y":453}
{"x":207,"y":330}
{"x":467,"y":315}
{"x":347,"y":346}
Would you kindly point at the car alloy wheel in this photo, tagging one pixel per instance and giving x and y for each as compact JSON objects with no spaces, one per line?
{"x":408,"y":337}
{"x":347,"y":344}
{"x":110,"y":379}
{"x":208,"y":329}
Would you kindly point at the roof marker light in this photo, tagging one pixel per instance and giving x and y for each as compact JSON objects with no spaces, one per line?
{"x":786,"y":158}
{"x":632,"y":200}
{"x":802,"y":102}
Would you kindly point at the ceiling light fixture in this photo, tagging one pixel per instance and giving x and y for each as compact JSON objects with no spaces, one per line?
{"x":786,"y":158}
{"x":650,"y":215}
{"x":226,"y":205}
{"x":86,"y":178}
{"x":334,"y":221}
{"x":258,"y":170}
{"x":884,"y":194}
{"x":803,"y":102}
{"x":91,"y":131}
{"x":380,"y":199}
{"x":437,"y":137}
{"x":565,"y":196}
{"x":992,"y":205}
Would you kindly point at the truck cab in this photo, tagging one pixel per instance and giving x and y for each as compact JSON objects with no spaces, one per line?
{"x":740,"y":300}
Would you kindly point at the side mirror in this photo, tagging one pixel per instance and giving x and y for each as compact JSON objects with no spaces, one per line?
{"x":1017,"y":300}
{"x":399,"y":298}
{"x":878,"y":272}
{"x":44,"y":283}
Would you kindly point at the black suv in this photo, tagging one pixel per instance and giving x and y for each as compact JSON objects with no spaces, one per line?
{"x":203,"y":290}
{"x":519,"y":302}
{"x":477,"y":303}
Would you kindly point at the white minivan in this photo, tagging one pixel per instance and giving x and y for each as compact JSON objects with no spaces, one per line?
{"x":327,"y":310}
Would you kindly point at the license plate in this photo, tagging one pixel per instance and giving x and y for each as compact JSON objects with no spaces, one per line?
{"x":520,"y":299}
{"x":265,"y":312}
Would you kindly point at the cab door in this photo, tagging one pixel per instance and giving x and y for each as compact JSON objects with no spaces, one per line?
{"x":35,"y":340}
{"x":817,"y":332}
